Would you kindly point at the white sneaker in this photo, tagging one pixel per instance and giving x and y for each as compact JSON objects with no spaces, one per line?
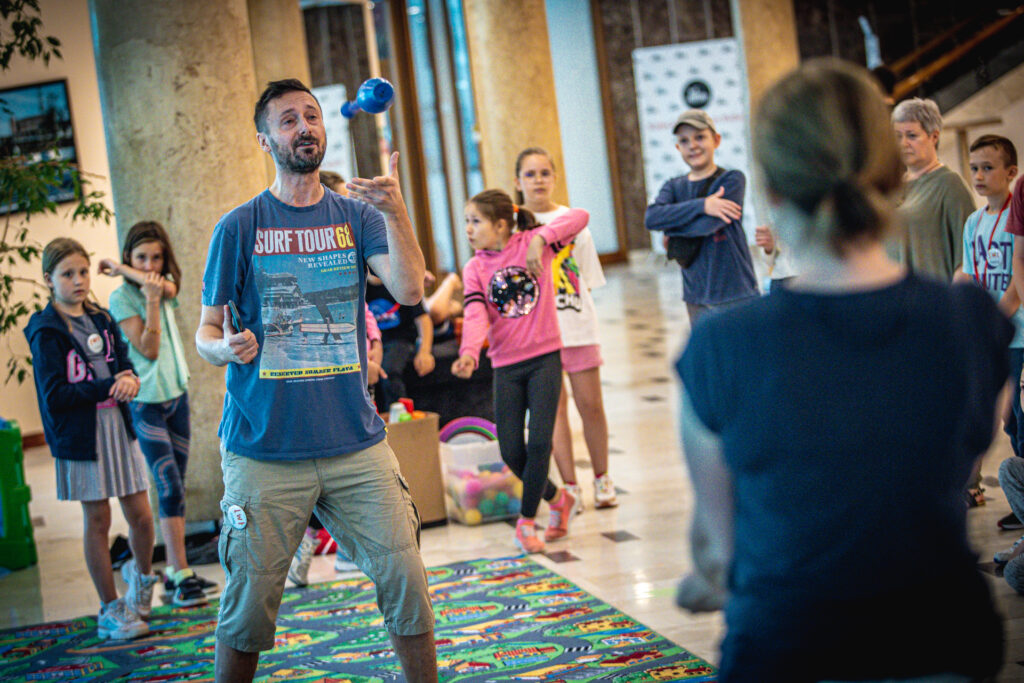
{"x":604,"y":492}
{"x":117,"y":621}
{"x":139,"y":596}
{"x":577,"y":493}
{"x":343,"y":564}
{"x":299,"y":571}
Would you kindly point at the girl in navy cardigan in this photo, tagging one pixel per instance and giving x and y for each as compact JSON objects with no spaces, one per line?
{"x":83,"y":381}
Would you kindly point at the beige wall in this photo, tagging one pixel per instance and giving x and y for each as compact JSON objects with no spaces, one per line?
{"x":1003,"y":99}
{"x":68,"y":20}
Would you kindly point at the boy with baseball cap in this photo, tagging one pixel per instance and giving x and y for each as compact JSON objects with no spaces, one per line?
{"x":700,"y":215}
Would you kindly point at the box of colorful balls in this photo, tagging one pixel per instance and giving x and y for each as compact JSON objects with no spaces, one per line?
{"x":479,"y":487}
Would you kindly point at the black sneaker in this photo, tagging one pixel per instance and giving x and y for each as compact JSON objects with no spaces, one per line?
{"x":1010,"y":523}
{"x":189,"y":592}
{"x":207,"y":585}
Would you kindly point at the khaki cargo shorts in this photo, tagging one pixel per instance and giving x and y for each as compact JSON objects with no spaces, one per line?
{"x":362,"y":500}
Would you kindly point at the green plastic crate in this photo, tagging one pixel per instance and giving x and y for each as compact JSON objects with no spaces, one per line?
{"x":17,"y":544}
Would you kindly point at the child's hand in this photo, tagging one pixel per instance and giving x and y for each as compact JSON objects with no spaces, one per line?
{"x":464,"y":366}
{"x":374,"y":372}
{"x":242,"y":346}
{"x":125,"y":386}
{"x":535,"y":256}
{"x":153,"y":286}
{"x":376,"y":352}
{"x":424,"y":363}
{"x":764,"y":238}
{"x":724,"y":209}
{"x":108,"y":266}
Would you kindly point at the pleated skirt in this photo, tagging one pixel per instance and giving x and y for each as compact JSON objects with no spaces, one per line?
{"x":118,"y":470}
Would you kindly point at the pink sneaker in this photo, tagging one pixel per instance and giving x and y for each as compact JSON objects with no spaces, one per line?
{"x":561,"y":513}
{"x":526,"y":536}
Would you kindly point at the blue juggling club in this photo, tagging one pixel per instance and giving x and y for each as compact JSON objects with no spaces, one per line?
{"x":374,"y":96}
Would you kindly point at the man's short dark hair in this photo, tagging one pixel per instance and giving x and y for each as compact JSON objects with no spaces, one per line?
{"x":274,"y":90}
{"x":1000,"y":144}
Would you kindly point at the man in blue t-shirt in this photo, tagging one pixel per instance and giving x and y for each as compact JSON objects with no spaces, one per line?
{"x":298,"y":430}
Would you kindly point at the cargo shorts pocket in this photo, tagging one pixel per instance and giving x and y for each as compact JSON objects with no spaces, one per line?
{"x":414,"y":513}
{"x":233,"y":544}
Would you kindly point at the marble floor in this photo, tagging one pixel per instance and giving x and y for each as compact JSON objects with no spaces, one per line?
{"x":643,"y":324}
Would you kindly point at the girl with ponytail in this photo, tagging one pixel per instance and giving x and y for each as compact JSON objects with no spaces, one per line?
{"x":856,"y":397}
{"x":509,"y":300}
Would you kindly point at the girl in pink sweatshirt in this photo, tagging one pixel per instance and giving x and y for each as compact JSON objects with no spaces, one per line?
{"x":509,"y":300}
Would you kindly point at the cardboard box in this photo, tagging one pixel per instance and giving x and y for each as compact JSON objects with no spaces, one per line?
{"x":416,"y":444}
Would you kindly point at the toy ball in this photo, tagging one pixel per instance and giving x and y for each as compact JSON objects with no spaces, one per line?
{"x":517,"y":489}
{"x":473,"y":516}
{"x":489,"y":495}
{"x":513,"y":506}
{"x":487,"y":508}
{"x":404,"y":417}
{"x":473,"y":488}
{"x":501,"y":499}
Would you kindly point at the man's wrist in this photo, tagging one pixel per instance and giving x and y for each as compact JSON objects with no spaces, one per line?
{"x":398,"y":213}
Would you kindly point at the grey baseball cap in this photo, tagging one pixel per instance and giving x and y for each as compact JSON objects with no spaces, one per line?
{"x":697,"y":118}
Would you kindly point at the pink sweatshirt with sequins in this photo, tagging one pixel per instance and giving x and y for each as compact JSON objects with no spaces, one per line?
{"x":508,"y":306}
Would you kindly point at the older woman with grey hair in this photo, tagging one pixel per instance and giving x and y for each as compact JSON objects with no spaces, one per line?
{"x":935,"y":200}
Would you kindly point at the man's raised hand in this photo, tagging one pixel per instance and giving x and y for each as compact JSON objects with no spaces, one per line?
{"x":381,"y":192}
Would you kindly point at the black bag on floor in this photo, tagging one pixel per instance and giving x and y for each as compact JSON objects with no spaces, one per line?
{"x":684,"y":250}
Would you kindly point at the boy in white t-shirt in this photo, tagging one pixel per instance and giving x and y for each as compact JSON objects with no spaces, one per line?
{"x":988,"y":260}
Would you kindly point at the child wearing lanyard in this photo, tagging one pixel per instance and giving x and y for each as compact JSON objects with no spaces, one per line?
{"x":988,"y":260}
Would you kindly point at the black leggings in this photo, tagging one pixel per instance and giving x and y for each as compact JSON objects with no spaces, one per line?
{"x":535,"y":384}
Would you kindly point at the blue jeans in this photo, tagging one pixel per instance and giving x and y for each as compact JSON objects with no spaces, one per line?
{"x":164,"y":433}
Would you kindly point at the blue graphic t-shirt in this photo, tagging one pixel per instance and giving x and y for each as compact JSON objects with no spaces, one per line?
{"x":297,"y":275}
{"x":988,"y":259}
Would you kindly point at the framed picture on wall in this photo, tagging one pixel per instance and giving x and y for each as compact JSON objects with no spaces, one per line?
{"x":35,"y":126}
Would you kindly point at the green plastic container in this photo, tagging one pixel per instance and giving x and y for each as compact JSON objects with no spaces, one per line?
{"x":17,"y":544}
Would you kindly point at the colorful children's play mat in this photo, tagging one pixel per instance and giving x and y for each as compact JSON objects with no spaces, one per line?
{"x":507,"y":619}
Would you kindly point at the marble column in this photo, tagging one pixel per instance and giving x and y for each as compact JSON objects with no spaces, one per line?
{"x":766,"y":31}
{"x":514,"y":87}
{"x":278,"y":37}
{"x":177,"y":86}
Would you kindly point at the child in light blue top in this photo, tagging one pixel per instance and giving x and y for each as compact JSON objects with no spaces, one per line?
{"x":988,"y":253}
{"x":144,"y":308}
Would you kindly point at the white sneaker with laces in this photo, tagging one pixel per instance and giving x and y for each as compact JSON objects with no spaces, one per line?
{"x":139,"y":596}
{"x":604,"y":492}
{"x":577,"y":493}
{"x":117,"y":621}
{"x":299,"y":571}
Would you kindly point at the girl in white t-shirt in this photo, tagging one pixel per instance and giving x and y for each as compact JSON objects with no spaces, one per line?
{"x":576,"y":271}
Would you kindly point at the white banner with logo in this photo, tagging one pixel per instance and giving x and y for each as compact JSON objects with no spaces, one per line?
{"x":704,"y":75}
